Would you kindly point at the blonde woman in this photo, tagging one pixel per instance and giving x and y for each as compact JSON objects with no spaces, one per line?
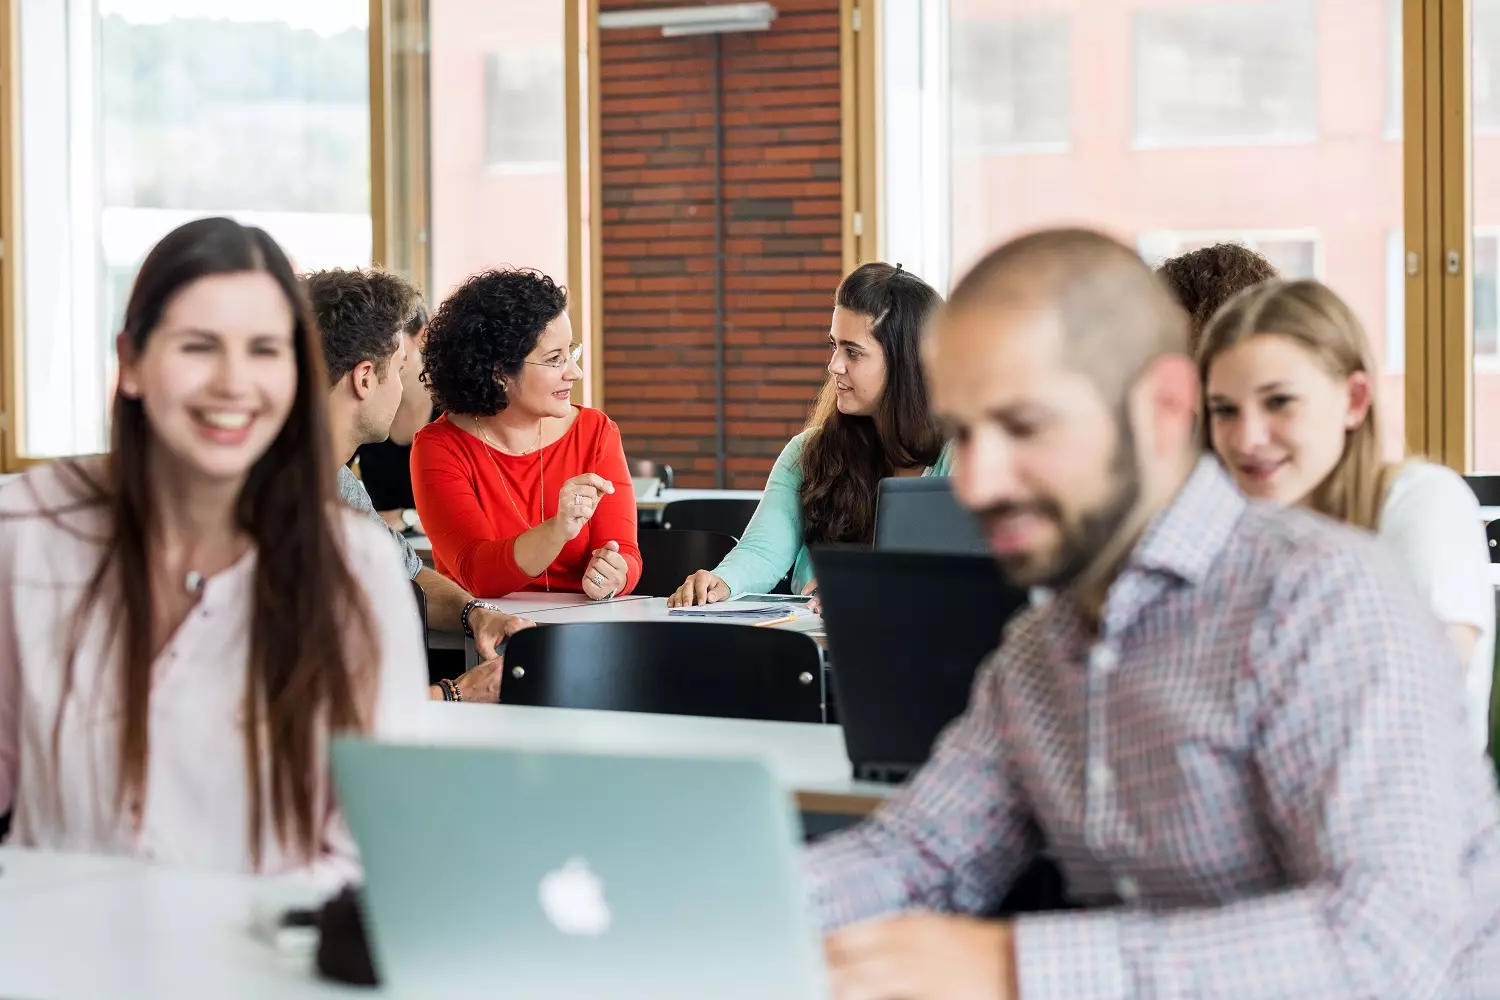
{"x":1289,"y":382}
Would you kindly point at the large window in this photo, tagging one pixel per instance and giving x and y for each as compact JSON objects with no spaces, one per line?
{"x":139,"y":115}
{"x":1226,"y":73}
{"x":523,"y":103}
{"x":1010,"y":84}
{"x":498,"y":128}
{"x":1485,"y":68}
{"x":1295,"y":253}
{"x":1187,"y":123}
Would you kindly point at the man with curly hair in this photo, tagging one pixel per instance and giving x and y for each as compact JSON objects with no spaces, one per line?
{"x":362,"y":315}
{"x":1204,"y":279}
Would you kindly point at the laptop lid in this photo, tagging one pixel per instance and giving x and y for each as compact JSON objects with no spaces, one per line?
{"x":906,"y":632}
{"x":509,"y":873}
{"x":921,"y":514}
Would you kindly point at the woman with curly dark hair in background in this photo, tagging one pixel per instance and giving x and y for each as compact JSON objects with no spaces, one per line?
{"x":518,"y":488}
{"x":1203,"y":280}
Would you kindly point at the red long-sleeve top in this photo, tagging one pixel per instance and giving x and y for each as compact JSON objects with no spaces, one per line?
{"x":474,"y":501}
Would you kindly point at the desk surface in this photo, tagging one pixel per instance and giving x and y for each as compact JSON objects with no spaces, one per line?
{"x":652,"y":609}
{"x":808,"y":759}
{"x":89,"y":927}
{"x":86,"y":927}
{"x":660,"y":501}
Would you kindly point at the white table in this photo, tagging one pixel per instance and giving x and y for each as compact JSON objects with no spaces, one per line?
{"x":85,"y":928}
{"x":807,"y":758}
{"x":527,"y":605}
{"x":660,"y":500}
{"x":563,"y":609}
{"x":654,"y":609}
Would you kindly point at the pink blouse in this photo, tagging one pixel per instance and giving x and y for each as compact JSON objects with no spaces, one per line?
{"x":196,"y":811}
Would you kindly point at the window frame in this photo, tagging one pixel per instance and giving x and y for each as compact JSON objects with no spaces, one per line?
{"x":1435,"y":328}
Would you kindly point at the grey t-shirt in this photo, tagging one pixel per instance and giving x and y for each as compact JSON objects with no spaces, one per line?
{"x":352,"y":492}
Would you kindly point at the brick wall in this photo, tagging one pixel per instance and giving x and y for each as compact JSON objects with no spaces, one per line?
{"x":781,"y":204}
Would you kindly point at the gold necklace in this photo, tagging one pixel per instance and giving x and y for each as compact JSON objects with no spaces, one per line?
{"x":541,"y":501}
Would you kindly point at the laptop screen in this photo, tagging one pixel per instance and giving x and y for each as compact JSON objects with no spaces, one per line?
{"x":922,"y":515}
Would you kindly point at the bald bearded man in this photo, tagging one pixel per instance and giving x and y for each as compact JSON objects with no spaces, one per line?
{"x":1232,"y":726}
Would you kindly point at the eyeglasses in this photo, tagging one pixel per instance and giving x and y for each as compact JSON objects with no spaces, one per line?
{"x":575,"y":357}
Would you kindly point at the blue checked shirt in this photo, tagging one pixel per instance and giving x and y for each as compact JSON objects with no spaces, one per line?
{"x":1255,"y":775}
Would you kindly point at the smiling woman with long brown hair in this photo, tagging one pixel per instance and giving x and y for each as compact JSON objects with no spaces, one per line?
{"x":184,"y":622}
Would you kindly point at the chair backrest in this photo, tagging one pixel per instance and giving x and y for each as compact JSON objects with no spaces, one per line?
{"x":727,"y":517}
{"x":644,"y":468}
{"x":675,"y":668}
{"x":1486,"y":489}
{"x":670,"y":557}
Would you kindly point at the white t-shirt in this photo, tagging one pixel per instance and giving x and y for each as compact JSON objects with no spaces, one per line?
{"x":1431,"y":522}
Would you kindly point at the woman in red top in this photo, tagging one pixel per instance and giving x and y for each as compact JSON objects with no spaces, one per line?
{"x":518,"y":488}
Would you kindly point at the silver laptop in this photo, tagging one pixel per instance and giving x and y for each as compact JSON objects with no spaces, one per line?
{"x":518,"y":874}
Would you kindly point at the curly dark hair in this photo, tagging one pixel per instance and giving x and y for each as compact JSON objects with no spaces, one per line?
{"x":845,"y":457}
{"x":1204,"y":279}
{"x":361,"y":314}
{"x":481,"y":334}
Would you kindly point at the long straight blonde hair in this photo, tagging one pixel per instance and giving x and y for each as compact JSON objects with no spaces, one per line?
{"x":1310,"y":314}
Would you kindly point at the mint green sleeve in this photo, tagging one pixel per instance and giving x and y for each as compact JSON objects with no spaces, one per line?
{"x":773,"y":538}
{"x":944,"y":465}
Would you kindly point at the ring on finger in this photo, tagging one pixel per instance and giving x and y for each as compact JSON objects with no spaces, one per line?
{"x":598,"y":579}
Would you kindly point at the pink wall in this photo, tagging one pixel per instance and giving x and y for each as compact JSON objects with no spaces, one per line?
{"x":482,"y":217}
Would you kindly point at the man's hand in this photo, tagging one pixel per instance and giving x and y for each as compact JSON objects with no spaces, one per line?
{"x":482,"y":684}
{"x":491,"y":628}
{"x":923,"y":956}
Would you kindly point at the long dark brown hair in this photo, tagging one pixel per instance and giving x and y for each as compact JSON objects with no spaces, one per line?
{"x":846,"y":457}
{"x":300,"y":676}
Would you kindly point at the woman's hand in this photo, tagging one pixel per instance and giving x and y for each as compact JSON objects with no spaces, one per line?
{"x":811,"y":590}
{"x":606,"y":573}
{"x":700,"y":588}
{"x":576,"y":503}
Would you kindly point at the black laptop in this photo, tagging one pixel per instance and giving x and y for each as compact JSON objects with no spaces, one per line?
{"x":906,"y":632}
{"x":921,"y":514}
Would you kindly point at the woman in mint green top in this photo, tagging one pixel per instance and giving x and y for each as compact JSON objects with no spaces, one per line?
{"x":872,"y":421}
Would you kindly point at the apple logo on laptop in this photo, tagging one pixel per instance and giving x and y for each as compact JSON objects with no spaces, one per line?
{"x":572,"y":897}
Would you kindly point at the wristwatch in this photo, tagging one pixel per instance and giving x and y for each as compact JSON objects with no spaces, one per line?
{"x":410,"y":519}
{"x":463,"y":619}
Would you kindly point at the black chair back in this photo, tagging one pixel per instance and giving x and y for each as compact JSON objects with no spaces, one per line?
{"x":1486,"y":488}
{"x":674,"y":668}
{"x":670,"y":557}
{"x":644,"y":468}
{"x":727,"y":517}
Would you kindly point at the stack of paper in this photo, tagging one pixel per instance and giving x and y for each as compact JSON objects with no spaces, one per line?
{"x":754,"y":613}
